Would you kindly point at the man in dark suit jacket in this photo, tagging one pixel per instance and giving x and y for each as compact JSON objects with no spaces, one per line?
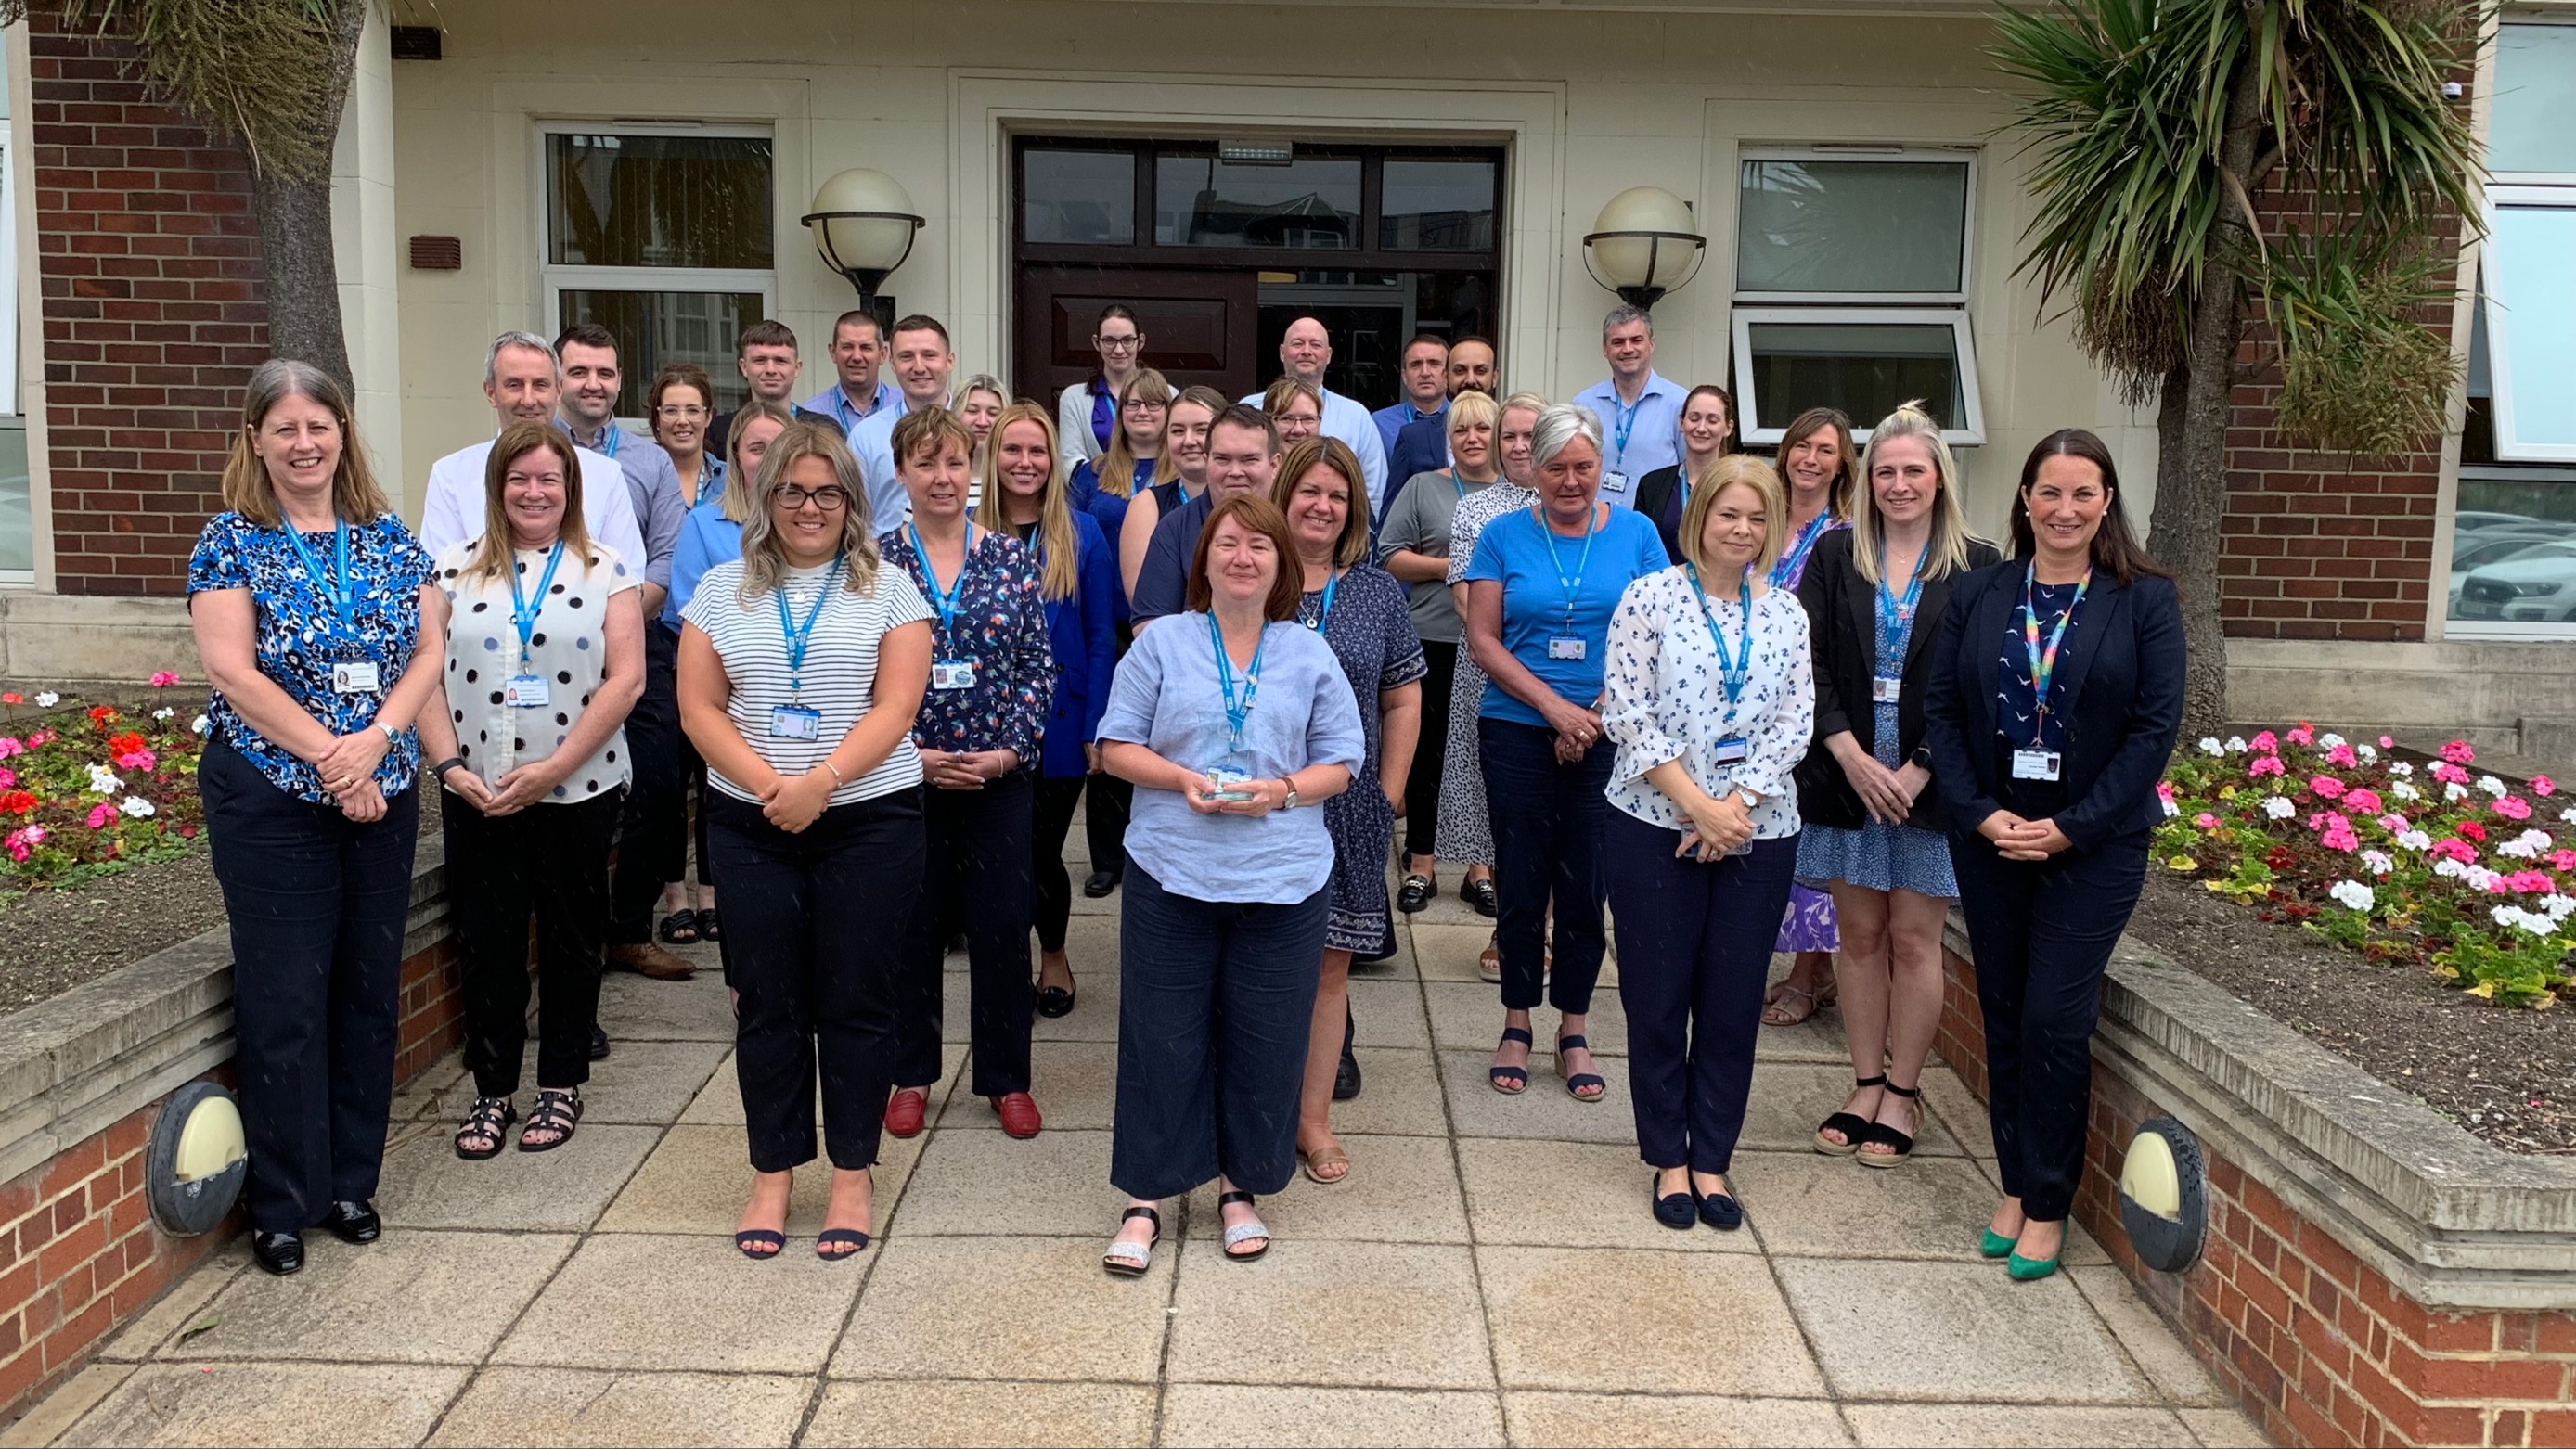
{"x":1423,"y":447}
{"x":766,"y":355}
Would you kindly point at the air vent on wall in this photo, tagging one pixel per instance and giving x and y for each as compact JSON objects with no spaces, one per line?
{"x":416,"y":42}
{"x":437,"y":254}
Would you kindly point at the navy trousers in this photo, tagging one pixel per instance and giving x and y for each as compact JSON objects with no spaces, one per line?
{"x":1694,"y":954}
{"x":977,"y":873}
{"x":653,"y":834}
{"x":1547,"y":819}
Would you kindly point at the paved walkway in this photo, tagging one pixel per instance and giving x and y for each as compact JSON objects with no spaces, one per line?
{"x":1489,"y":1275}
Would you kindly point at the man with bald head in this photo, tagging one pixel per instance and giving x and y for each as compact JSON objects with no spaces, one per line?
{"x":1303,"y":354}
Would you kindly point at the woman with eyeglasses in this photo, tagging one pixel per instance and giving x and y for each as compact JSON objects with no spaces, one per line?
{"x":802,"y":665}
{"x":1295,"y":408}
{"x":1087,"y":413}
{"x":1180,"y":474}
{"x":678,"y":409}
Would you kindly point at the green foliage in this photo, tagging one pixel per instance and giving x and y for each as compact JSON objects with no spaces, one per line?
{"x":2359,"y":372}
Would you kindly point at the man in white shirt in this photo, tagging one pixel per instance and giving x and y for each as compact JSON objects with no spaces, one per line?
{"x":858,"y":346}
{"x":521,"y":383}
{"x":1303,"y":355}
{"x":922,"y":362}
{"x":1640,"y":409}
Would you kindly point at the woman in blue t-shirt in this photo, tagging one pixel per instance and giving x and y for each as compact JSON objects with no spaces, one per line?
{"x":1540,"y":591}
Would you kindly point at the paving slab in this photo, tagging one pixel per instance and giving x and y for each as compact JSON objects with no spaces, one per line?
{"x":1007,"y":1308}
{"x":636,"y":1009}
{"x":1075,"y":1084}
{"x":1056,"y":1183}
{"x":1959,"y":1110}
{"x":940,"y":1413}
{"x":637,"y":1301}
{"x":1552,"y":1194}
{"x":2222,"y":1429}
{"x":1543,"y":1110}
{"x":698,"y":1178}
{"x":1322,"y":1313}
{"x":2178,"y":1377}
{"x":2012,"y":1426}
{"x":1811,"y":1205}
{"x":523,"y":1406}
{"x":180,"y":1305}
{"x":649,"y":1082}
{"x":409,"y":1297}
{"x":1400,"y":1190}
{"x":1591,"y":1319}
{"x":1252,"y":1416}
{"x":1887,"y":1329}
{"x":430,"y":1093}
{"x":46,"y":1419}
{"x":426,"y":1185}
{"x":1399,"y":1095}
{"x":1681,"y":1421}
{"x":1469,"y":1017}
{"x":1388,"y":1014}
{"x":264,"y":1404}
{"x":1447,"y":951}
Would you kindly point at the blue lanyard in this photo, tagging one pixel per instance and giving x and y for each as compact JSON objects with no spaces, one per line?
{"x":1458,"y":483}
{"x":1896,"y":616}
{"x":1731,"y":678}
{"x":2043,"y":661}
{"x":1573,"y":586}
{"x":943,"y":599}
{"x":1332,"y":584}
{"x":1104,"y":410}
{"x":710,"y":480}
{"x":610,"y":440}
{"x":523,"y":613}
{"x":1236,"y":711}
{"x":1624,"y":415}
{"x":798,"y":635}
{"x":1785,"y":569}
{"x":340,"y":587}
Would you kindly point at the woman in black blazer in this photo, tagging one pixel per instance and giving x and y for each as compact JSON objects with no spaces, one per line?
{"x":2055,"y":696}
{"x":1874,"y":595}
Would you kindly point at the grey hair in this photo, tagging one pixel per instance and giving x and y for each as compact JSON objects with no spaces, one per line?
{"x":1621,"y":316}
{"x":1559,"y":426}
{"x":529,"y":340}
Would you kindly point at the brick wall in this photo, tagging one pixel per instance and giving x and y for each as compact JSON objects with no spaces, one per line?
{"x":2318,"y":1347}
{"x":148,"y":254}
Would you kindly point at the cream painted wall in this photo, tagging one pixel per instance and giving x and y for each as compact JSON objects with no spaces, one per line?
{"x":1591,"y":102}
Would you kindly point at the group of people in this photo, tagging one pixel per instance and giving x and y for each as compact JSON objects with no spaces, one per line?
{"x":893,"y":637}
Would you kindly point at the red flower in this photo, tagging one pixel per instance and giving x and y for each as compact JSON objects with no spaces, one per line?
{"x":18,"y":802}
{"x":101,"y":714}
{"x":127,"y":743}
{"x":2474,"y":831}
{"x":13,"y":697}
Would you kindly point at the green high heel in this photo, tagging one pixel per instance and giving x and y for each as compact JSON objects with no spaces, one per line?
{"x":2029,"y":1270}
{"x":1994,"y":1245}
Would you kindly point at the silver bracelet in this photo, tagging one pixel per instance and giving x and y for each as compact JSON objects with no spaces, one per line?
{"x":837,"y":781}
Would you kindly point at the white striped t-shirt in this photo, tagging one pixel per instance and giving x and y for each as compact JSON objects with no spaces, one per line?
{"x":839,"y":676}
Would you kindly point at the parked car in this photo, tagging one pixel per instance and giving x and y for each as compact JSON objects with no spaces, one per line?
{"x":2536,"y":586}
{"x":2472,"y":551}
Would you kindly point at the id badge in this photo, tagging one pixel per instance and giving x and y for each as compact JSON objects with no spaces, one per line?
{"x":358,"y":677}
{"x":1228,"y":783}
{"x":1614,"y":482}
{"x":952,"y":674}
{"x":1730,"y":751}
{"x":2034,"y":764}
{"x":795,"y":722}
{"x":525,"y":691}
{"x":1883,"y":690}
{"x":1565,"y":646}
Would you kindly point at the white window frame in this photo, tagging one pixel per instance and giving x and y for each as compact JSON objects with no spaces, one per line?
{"x":1910,"y":155}
{"x":554,"y":279}
{"x":2509,"y":447}
{"x":1749,"y":404}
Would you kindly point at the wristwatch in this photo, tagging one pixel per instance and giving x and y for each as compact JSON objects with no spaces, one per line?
{"x":1922,"y":756}
{"x":392,"y":736}
{"x":1292,"y":795}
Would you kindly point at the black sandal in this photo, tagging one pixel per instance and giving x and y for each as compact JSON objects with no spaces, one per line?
{"x":1417,"y":893}
{"x":1242,"y":1232}
{"x":680,"y":928}
{"x":555,"y":1112}
{"x":1881,"y":1135}
{"x":1852,"y":1125}
{"x":1132,"y":1260}
{"x":487,"y":1120}
{"x":1480,"y":894}
{"x":709,"y":928}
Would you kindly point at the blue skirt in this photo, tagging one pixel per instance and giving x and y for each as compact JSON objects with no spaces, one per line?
{"x":1879,"y":857}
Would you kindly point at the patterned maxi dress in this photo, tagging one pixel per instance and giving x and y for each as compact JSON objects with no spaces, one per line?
{"x":1809,"y":923}
{"x":1466,"y":832}
{"x":1370,"y":630}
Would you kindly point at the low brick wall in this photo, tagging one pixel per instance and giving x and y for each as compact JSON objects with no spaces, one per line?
{"x":2319,"y":1346}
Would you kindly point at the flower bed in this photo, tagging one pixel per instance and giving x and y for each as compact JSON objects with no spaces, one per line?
{"x":86,"y":789}
{"x":2415,"y":864}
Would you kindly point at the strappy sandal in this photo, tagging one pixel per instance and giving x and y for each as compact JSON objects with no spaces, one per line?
{"x":1243,"y":1232}
{"x":1480,"y":894}
{"x":680,"y":928}
{"x":1775,"y":1014}
{"x":1417,"y":894}
{"x":750,"y":1238}
{"x":1852,"y":1125}
{"x":488,"y":1120}
{"x":556,"y":1112}
{"x":1315,"y":1162}
{"x":1575,"y":1082}
{"x":1511,"y":1081}
{"x":838,"y":1238}
{"x":1900,"y":1145}
{"x":709,"y":928}
{"x":1131,"y":1260}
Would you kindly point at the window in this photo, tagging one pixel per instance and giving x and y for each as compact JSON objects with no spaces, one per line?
{"x":1078,"y":196}
{"x":2531,"y":322}
{"x":665,"y":236}
{"x":1437,"y":204}
{"x":1819,"y":232}
{"x":17,"y":502}
{"x":1309,"y":203}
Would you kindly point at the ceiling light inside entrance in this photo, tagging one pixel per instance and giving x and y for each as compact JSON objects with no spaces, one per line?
{"x":1256,"y":153}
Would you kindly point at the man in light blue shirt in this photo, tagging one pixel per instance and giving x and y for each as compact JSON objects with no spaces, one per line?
{"x":857,"y":347}
{"x":922,"y":361}
{"x":1303,"y":355}
{"x":1640,"y":409}
{"x":1426,"y":391}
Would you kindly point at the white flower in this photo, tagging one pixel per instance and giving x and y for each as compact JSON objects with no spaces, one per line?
{"x":2414,"y":840}
{"x":2209,"y":745}
{"x":2279,"y":807}
{"x":2446,"y":866}
{"x":2400,"y":768}
{"x":103,"y":781}
{"x":2329,"y":740}
{"x":2518,"y":849}
{"x":2559,"y":907}
{"x":200,"y":725}
{"x":2492,"y":786}
{"x":2520,"y":919}
{"x":137,"y":806}
{"x":163,"y":713}
{"x":2379,"y":861}
{"x":2171,"y":809}
{"x":2236,"y":744}
{"x":47,"y":699}
{"x":2404,"y":791}
{"x":2536,"y":839}
{"x":2368,"y":754}
{"x":2478,"y":877}
{"x":2455,"y":793}
{"x":2353,"y":894}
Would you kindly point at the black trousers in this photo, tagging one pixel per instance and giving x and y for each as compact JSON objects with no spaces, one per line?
{"x":1107,"y":801}
{"x":317,"y":903}
{"x":1694,"y":954}
{"x":1547,"y":819}
{"x":1057,"y":797}
{"x":1215,"y":1006}
{"x":1422,"y":787}
{"x":549,"y":863}
{"x":813,"y":924}
{"x":653,"y":837}
{"x":977,"y":875}
{"x":2043,"y":933}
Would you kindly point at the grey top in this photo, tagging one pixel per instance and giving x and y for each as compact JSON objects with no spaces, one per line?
{"x":654,"y":486}
{"x":1167,"y":698}
{"x":1420,"y":521}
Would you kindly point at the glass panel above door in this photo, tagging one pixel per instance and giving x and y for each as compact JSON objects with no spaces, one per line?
{"x":1310,"y":203}
{"x":658,"y":201}
{"x":1078,"y":196}
{"x":1436,"y":204}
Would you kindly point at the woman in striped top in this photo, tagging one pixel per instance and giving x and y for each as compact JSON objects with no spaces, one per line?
{"x":802,"y":665}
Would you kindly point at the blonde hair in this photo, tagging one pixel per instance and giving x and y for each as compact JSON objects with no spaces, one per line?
{"x":1276,"y":397}
{"x":492,"y":553}
{"x":735,"y":502}
{"x":1058,"y":546}
{"x":355,"y":498}
{"x":1304,"y":457}
{"x":1115,"y":473}
{"x":764,"y":558}
{"x":1167,"y":466}
{"x":1469,"y":408}
{"x":1947,"y":551}
{"x":1727,"y":472}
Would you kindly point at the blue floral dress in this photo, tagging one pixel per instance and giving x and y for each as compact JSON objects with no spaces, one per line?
{"x":1880,"y":856}
{"x":1000,"y":623}
{"x":1370,"y":630}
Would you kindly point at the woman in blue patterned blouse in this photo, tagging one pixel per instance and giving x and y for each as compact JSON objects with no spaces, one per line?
{"x":305,"y":596}
{"x":992,"y":684}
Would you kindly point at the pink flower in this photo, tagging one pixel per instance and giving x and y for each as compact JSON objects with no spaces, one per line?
{"x":2327,"y":787}
{"x":101,"y":816}
{"x":2386,"y":743}
{"x":2450,"y":774}
{"x":10,"y":747}
{"x":2362,"y":802}
{"x":2459,"y":752}
{"x":2393,"y":823}
{"x":2206,"y":821}
{"x":2512,"y":808}
{"x":2543,"y":786}
{"x":2303,"y":735}
{"x":2165,"y":789}
{"x":136,"y":760}
{"x":163,"y":679}
{"x":2460,"y":851}
{"x":2265,"y":743}
{"x":2530,"y":883}
{"x":2266,"y":765}
{"x":2342,"y":755}
{"x":8,"y":779}
{"x":2562,"y":860}
{"x":2340,"y":838}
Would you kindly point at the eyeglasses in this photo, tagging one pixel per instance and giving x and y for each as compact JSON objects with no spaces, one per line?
{"x":830,"y":500}
{"x":1144,"y":405}
{"x":678,"y":411}
{"x":1118,"y":344}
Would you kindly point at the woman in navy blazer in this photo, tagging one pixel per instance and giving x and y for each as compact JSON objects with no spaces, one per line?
{"x":2055,"y":697}
{"x":1025,"y":494}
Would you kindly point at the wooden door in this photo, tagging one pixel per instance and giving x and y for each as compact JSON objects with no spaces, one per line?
{"x":1199,"y":326}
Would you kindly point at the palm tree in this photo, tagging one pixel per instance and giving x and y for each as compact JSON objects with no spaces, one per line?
{"x":2154,"y":125}
{"x":273,"y":76}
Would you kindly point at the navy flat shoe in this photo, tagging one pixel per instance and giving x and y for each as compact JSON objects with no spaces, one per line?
{"x":1674,"y":1209}
{"x":1721,"y":1212}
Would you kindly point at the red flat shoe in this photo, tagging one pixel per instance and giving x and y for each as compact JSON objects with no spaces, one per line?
{"x":906,"y":1111}
{"x":1019,"y":1114}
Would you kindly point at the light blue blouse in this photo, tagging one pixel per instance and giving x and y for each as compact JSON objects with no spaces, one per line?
{"x":1166,"y":697}
{"x":707,"y":538}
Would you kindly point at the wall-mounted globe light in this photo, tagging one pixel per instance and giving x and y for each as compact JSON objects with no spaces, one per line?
{"x":1643,"y":245}
{"x":863,"y":224}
